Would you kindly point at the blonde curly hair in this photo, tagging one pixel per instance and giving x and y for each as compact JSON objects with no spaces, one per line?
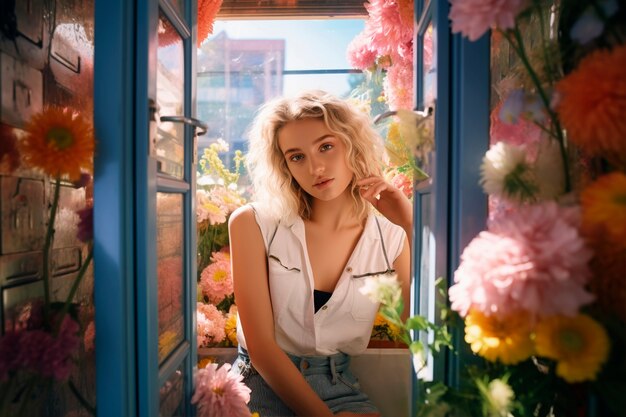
{"x":274,"y":186}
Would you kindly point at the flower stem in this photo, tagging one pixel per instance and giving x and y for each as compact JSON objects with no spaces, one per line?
{"x":546,"y":56}
{"x":82,"y":400}
{"x":517,"y":43}
{"x":75,"y":285}
{"x":47,"y":248}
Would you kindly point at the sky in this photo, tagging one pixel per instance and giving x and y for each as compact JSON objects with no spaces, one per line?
{"x":309,"y":44}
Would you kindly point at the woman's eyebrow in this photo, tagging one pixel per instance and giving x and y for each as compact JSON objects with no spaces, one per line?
{"x":321,"y":138}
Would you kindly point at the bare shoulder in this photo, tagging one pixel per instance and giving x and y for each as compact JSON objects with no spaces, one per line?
{"x":242,"y":217}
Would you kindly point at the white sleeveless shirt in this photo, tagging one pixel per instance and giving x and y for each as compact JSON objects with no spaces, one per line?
{"x":344,"y":323}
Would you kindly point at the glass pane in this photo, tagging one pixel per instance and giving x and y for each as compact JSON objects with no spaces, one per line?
{"x":429,"y":65}
{"x":170,"y":247}
{"x":180,"y":6}
{"x":47,"y":61}
{"x":170,"y":151}
{"x":246,"y":63}
{"x":171,"y":395}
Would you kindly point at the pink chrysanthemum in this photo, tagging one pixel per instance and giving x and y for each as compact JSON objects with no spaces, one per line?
{"x":360,"y":54}
{"x":398,"y":85}
{"x":534,"y":259}
{"x":387,"y":31}
{"x":220,"y":393}
{"x":475,"y":17}
{"x":211,"y":323}
{"x":216,"y":280}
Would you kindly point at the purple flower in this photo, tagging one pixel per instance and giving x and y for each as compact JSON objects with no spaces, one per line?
{"x":589,"y":25}
{"x":85,"y":224}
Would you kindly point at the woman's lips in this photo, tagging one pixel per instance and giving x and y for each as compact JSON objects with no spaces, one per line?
{"x":323,"y":184}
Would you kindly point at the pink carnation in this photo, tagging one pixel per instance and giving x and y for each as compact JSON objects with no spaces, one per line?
{"x":211,"y":323}
{"x":216,"y":280}
{"x":532,"y":259}
{"x":475,"y":17}
{"x":220,"y":393}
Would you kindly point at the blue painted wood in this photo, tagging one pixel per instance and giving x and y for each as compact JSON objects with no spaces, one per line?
{"x":190,"y":204}
{"x":469,"y":141}
{"x":440,"y":208}
{"x":145,"y":196}
{"x":113,"y":209}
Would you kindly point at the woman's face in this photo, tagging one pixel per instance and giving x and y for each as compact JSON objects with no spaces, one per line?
{"x":315,"y":158}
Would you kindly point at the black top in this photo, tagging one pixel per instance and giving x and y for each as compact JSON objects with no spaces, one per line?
{"x":320,"y":298}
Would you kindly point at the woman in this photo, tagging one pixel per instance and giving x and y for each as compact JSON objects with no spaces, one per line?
{"x":300,"y":253}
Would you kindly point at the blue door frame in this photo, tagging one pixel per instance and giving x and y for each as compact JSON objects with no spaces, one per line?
{"x":457,"y":207}
{"x":128,"y":377}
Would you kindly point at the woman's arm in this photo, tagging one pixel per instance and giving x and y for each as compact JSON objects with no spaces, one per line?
{"x":389,"y":201}
{"x":252,"y":295}
{"x":402,"y":265}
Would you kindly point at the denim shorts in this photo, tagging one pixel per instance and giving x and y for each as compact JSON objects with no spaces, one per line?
{"x":329,"y":376}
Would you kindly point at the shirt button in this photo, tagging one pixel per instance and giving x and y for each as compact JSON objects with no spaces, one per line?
{"x":349,"y":269}
{"x":324,"y":307}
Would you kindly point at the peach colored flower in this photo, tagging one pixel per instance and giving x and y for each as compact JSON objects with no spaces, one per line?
{"x":216,"y":280}
{"x":592,"y":103}
{"x":210,"y":325}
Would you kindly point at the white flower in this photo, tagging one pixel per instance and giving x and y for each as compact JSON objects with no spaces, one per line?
{"x":506,"y":173}
{"x":383,"y":289}
{"x":499,"y":395}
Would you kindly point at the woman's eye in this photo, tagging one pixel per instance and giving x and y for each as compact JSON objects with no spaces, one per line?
{"x":326,"y":147}
{"x":295,"y":158}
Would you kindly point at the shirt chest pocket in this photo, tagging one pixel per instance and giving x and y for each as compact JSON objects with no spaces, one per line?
{"x":284,"y":275}
{"x":364,"y":309}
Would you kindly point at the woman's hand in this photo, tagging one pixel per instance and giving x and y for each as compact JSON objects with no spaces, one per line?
{"x":389,"y":201}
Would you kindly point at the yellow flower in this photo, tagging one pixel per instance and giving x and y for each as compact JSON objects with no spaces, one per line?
{"x":381,"y":324}
{"x":59,"y":142}
{"x":579,"y":344}
{"x":604,"y":207}
{"x":506,"y":339}
{"x":231,"y":328}
{"x":167,"y":342}
{"x":202,"y":363}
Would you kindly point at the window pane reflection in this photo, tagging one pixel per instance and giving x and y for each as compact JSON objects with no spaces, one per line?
{"x":170,"y":98}
{"x":170,"y":247}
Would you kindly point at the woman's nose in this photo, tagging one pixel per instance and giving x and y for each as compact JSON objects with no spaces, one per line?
{"x":316,"y":167}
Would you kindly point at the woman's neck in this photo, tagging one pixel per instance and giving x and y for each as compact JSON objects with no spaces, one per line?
{"x":335,"y":214}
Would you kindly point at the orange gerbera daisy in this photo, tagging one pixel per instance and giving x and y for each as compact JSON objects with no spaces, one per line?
{"x":593,"y":103}
{"x":604,"y":207}
{"x":59,"y":142}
